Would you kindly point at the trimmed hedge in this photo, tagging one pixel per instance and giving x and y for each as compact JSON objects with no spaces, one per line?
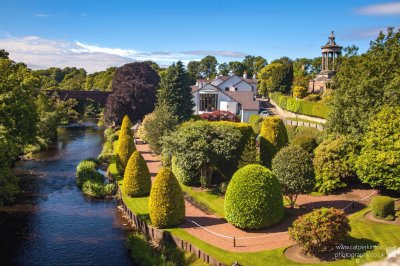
{"x":317,"y":109}
{"x":137,"y":180}
{"x":126,"y":146}
{"x":87,"y":170}
{"x":253,"y":199}
{"x":273,"y":137}
{"x":255,"y":121}
{"x":383,"y":208}
{"x":166,"y":203}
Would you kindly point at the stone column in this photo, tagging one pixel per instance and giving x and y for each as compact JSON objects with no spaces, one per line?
{"x":322,"y":59}
{"x":333,"y":61}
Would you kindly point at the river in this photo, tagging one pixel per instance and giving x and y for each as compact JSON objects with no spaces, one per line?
{"x":52,"y":223}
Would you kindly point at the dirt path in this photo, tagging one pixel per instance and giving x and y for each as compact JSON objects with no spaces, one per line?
{"x":219,"y":233}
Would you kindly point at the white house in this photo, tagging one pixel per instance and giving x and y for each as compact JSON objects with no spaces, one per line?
{"x":234,"y":94}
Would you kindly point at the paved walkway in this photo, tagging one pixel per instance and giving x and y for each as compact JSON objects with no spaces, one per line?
{"x":219,"y":233}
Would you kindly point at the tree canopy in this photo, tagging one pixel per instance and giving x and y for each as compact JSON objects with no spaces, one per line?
{"x":276,"y":77}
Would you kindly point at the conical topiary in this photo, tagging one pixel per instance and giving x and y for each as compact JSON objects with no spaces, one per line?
{"x":126,"y":146}
{"x":126,"y":127}
{"x":166,"y":203}
{"x":137,"y":181}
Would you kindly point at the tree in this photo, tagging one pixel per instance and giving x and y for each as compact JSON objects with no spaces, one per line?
{"x":321,"y":230}
{"x":379,"y":161}
{"x":4,"y":54}
{"x":166,"y":203}
{"x":365,"y":84}
{"x":100,"y":80}
{"x":265,"y":205}
{"x":208,"y":67}
{"x":301,"y":72}
{"x":334,"y":163}
{"x":134,"y":93}
{"x":194,"y":71}
{"x":223,"y":69}
{"x":275,"y":77}
{"x":137,"y":180}
{"x":175,"y":92}
{"x":236,"y":68}
{"x":250,"y":154}
{"x":273,"y":137}
{"x":294,"y":168}
{"x":204,"y":146}
{"x":161,"y":123}
{"x":253,"y":64}
{"x":74,"y":79}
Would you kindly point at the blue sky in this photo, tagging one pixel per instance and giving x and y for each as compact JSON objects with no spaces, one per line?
{"x":97,"y":34}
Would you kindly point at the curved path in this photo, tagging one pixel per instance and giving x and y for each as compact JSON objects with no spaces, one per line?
{"x":219,"y":233}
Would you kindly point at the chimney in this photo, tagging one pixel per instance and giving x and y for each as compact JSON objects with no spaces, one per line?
{"x":245,"y":75}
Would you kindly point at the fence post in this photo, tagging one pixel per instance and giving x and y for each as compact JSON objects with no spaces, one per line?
{"x":234,"y":241}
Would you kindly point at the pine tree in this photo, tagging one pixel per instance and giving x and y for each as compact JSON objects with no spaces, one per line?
{"x":250,"y":154}
{"x":175,"y":91}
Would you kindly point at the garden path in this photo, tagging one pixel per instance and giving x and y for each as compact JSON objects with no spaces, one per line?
{"x":218,"y":232}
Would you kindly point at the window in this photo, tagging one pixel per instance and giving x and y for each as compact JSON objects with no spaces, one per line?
{"x":208,"y":102}
{"x":226,"y":88}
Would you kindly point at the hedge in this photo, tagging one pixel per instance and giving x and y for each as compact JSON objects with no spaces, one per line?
{"x":253,"y":199}
{"x":137,"y":180}
{"x":166,"y":203}
{"x":317,"y":109}
{"x":255,"y":121}
{"x":383,"y":208}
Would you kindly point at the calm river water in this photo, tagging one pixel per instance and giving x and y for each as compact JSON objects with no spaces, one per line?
{"x":52,"y":223}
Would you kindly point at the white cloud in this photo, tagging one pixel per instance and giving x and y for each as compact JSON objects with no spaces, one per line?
{"x":363,"y":33}
{"x":392,"y":8}
{"x":39,"y":53}
{"x":41,"y":15}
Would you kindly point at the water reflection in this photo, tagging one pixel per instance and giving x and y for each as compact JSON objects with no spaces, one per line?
{"x":52,"y":223}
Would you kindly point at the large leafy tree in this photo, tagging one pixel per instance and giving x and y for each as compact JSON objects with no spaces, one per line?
{"x":223,"y":69}
{"x":236,"y":68}
{"x":379,"y":161}
{"x":365,"y":84}
{"x":208,"y":66}
{"x":175,"y":91}
{"x":74,"y":78}
{"x":253,"y":64}
{"x":134,"y":86}
{"x":276,"y":77}
{"x":194,"y":71}
{"x":3,"y":54}
{"x":100,"y":80}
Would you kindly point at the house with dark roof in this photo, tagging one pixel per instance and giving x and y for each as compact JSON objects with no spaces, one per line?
{"x":234,"y":94}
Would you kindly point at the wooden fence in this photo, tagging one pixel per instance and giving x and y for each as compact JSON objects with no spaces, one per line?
{"x":159,"y":236}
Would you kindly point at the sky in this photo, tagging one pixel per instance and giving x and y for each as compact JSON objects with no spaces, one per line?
{"x":96,"y":34}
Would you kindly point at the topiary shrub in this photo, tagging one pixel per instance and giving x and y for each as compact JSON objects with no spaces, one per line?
{"x":87,"y":170}
{"x":294,"y":168}
{"x":320,"y":230}
{"x":126,"y":146}
{"x":137,"y":180}
{"x":166,"y":203}
{"x":307,"y":142}
{"x":126,"y":127}
{"x":273,"y":137}
{"x":253,"y":199}
{"x":383,"y":208}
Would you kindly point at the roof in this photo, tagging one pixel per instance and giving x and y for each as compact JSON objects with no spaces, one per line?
{"x":194,"y":88}
{"x":245,"y":98}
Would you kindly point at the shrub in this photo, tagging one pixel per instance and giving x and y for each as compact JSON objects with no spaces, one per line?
{"x":87,"y":170}
{"x":383,"y":208}
{"x":141,"y":131}
{"x":126,"y":127}
{"x":299,"y":92}
{"x":189,"y":175}
{"x":333,"y":164}
{"x":294,"y":169}
{"x":273,"y":137}
{"x":126,"y":146}
{"x":255,"y":121}
{"x":166,"y":203}
{"x":313,"y":98}
{"x":223,"y":187}
{"x":263,"y":208}
{"x":320,"y":230}
{"x":97,"y":189}
{"x":250,"y":154}
{"x":137,"y":181}
{"x":220,"y":116}
{"x":307,"y":142}
{"x":106,"y":152}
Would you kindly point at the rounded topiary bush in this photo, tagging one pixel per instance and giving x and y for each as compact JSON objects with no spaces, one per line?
{"x":383,"y":207}
{"x":126,"y":146}
{"x":126,"y":127}
{"x":320,"y":230}
{"x":137,"y":181}
{"x":166,"y":203}
{"x":253,"y":199}
{"x":87,"y":170}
